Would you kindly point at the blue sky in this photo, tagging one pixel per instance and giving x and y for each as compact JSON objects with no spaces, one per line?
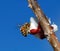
{"x":14,"y":12}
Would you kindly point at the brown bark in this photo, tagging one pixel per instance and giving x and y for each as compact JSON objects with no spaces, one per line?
{"x":51,"y":37}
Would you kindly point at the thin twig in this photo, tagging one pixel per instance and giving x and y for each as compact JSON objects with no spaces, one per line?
{"x":51,"y":37}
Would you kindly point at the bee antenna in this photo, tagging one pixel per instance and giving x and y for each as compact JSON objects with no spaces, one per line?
{"x":18,"y":26}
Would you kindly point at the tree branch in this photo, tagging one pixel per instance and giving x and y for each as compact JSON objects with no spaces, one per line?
{"x":51,"y":37}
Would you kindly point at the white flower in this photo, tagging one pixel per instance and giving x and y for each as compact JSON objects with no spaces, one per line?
{"x":33,"y":23}
{"x":55,"y":27}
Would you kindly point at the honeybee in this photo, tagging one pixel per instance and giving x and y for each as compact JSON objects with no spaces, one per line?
{"x":25,"y":29}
